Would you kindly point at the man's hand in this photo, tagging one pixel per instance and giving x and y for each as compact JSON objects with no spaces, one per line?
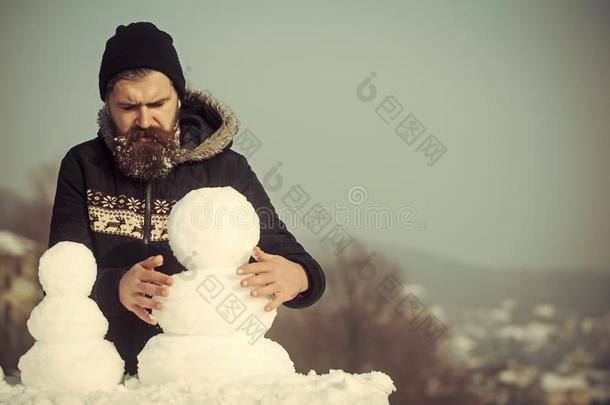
{"x":140,"y":281}
{"x":276,"y":275}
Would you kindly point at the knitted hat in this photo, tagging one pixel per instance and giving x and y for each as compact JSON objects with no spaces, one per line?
{"x":141,"y":44}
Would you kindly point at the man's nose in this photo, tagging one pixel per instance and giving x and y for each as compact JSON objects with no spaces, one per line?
{"x":144,"y":118}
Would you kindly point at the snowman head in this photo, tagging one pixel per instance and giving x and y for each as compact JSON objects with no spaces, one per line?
{"x":213,"y":226}
{"x":67,"y":268}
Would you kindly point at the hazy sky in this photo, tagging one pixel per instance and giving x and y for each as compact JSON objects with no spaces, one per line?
{"x":517,"y":92}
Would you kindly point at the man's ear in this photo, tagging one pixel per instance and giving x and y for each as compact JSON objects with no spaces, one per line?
{"x":179,"y":104}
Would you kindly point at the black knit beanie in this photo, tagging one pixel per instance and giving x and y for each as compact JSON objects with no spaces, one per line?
{"x":141,"y":44}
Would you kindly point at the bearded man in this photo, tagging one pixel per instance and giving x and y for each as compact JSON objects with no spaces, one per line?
{"x":158,"y":140}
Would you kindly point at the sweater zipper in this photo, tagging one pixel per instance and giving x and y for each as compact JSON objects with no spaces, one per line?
{"x":147,"y":218}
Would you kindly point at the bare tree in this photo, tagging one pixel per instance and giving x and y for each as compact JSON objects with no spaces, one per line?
{"x":30,"y":215}
{"x":358,"y":326}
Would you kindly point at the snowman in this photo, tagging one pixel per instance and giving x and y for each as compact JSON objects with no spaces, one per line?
{"x":213,"y":328}
{"x":70,"y":352}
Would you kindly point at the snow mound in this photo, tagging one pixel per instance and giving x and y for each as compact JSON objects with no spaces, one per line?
{"x":336,"y":388}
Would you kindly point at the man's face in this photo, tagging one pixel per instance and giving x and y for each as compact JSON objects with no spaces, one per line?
{"x":149,"y":102}
{"x":145,"y":117}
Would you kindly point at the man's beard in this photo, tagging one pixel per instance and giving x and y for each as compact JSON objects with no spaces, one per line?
{"x":147,"y":160}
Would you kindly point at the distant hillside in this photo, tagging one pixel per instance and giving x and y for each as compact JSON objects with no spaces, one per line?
{"x":451,"y":283}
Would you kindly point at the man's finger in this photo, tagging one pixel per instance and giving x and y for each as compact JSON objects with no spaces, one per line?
{"x":152,"y":289}
{"x":261,"y":256}
{"x":276,"y":302}
{"x":148,"y":302}
{"x":156,"y":277}
{"x":152,"y":262}
{"x":144,"y":315}
{"x":250,"y":268}
{"x":265,"y":290}
{"x":260,"y":279}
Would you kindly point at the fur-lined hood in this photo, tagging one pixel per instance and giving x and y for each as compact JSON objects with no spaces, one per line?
{"x":207,"y":127}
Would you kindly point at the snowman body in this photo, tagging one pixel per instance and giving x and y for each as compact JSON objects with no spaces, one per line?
{"x":213,"y":329}
{"x":70,"y":352}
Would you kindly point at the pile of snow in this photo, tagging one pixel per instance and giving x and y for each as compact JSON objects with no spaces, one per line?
{"x":335,"y":388}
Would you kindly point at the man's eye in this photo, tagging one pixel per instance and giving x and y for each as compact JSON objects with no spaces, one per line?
{"x":151,"y":105}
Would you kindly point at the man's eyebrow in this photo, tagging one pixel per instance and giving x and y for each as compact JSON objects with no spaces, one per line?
{"x":126,"y":104}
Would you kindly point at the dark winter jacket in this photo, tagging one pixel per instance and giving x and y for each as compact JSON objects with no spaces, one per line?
{"x":122,"y":220}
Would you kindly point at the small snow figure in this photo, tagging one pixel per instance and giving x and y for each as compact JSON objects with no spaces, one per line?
{"x":213,"y":328}
{"x":70,"y":352}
